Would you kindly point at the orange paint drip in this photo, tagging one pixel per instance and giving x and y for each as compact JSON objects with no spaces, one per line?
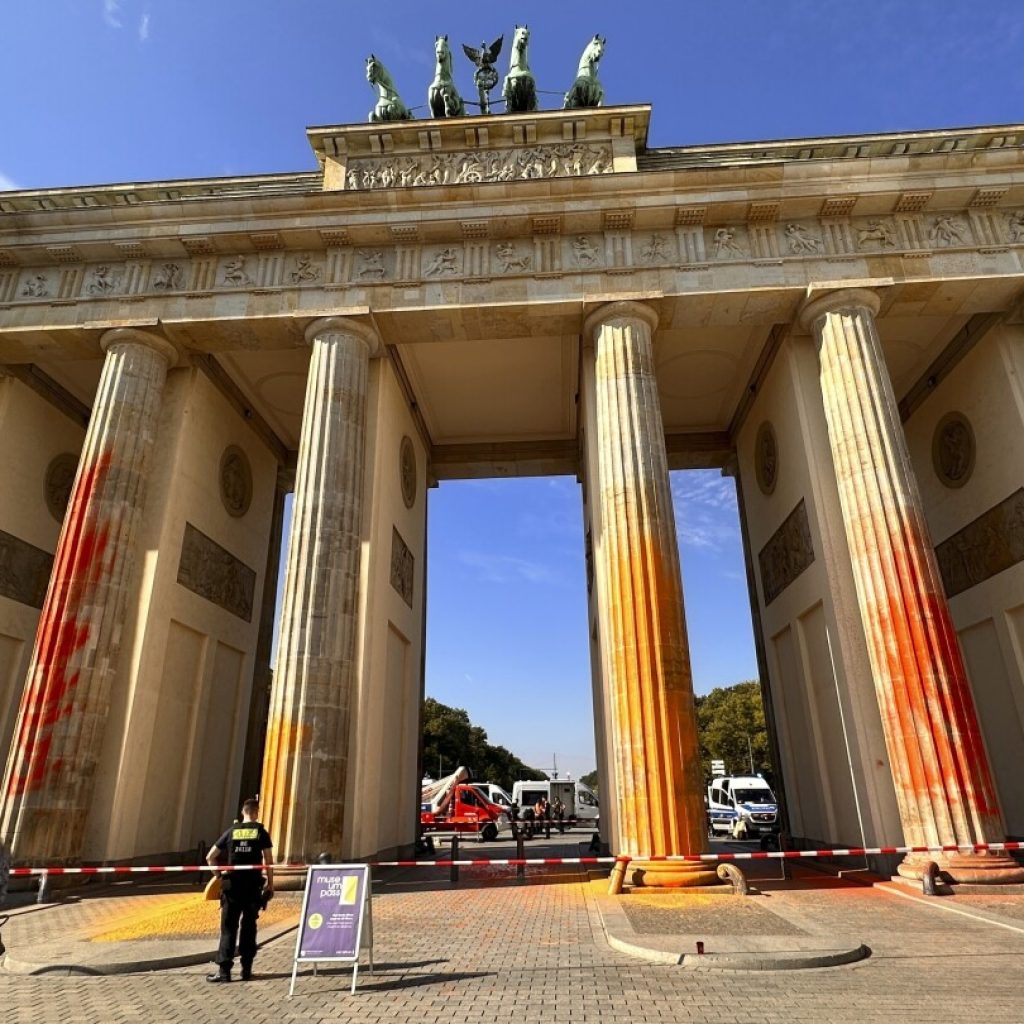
{"x":284,"y":738}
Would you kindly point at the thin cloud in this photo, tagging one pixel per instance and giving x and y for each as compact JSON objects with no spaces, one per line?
{"x":144,"y":27}
{"x":706,"y":513}
{"x":507,"y":569}
{"x":112,"y":13}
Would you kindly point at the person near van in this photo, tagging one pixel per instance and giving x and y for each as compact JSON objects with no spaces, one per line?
{"x":243,"y":893}
{"x":560,"y":814}
{"x":542,"y":814}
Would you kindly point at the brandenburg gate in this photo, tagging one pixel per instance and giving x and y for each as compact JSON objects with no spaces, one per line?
{"x":835,"y":322}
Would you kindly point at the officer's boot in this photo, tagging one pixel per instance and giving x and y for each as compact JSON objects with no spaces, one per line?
{"x":222,"y":976}
{"x":246,"y":972}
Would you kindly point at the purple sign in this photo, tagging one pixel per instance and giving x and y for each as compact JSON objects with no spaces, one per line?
{"x":332,"y":913}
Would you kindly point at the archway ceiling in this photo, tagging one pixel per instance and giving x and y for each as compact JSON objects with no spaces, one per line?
{"x":493,"y":374}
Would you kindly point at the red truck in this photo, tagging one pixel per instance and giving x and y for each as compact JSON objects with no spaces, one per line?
{"x":453,"y":804}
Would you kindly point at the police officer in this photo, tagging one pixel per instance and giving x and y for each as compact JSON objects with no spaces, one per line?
{"x":242,"y":892}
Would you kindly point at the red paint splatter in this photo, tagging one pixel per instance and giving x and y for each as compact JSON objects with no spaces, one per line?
{"x":50,"y":696}
{"x":931,"y":710}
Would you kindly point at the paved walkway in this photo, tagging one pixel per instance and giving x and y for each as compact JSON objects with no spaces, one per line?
{"x":492,"y":949}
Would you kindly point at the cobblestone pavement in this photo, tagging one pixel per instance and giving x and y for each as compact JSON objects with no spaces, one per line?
{"x":492,"y":950}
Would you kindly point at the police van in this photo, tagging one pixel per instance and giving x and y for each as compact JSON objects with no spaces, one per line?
{"x":742,"y":806}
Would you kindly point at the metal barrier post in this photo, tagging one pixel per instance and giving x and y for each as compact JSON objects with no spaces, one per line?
{"x":43,"y":896}
{"x":453,"y":875}
{"x":520,"y":855}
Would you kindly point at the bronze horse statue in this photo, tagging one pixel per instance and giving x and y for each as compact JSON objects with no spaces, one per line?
{"x":519,"y":88}
{"x":442,"y":96}
{"x":389,"y":104}
{"x":587,"y":91}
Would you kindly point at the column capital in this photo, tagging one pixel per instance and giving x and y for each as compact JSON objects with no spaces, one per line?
{"x":624,"y":310}
{"x":832,"y":302}
{"x":347,"y":326}
{"x":136,"y":336}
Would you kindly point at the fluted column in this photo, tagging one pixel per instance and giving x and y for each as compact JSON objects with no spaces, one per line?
{"x":658,"y":776}
{"x":51,"y":768}
{"x":305,"y":765}
{"x":943,"y":781}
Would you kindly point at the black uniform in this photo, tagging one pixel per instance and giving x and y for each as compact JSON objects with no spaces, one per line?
{"x":241,"y":892}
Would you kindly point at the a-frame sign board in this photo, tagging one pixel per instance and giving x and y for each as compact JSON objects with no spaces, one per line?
{"x":337,"y":918}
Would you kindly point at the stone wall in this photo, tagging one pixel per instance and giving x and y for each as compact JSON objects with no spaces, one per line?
{"x":173,"y":750}
{"x":834,"y":763}
{"x":383,"y":788}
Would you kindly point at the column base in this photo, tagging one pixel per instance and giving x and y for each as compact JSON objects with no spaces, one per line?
{"x":980,"y":868}
{"x":672,"y":874}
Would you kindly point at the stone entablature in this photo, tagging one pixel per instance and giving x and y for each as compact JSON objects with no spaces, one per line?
{"x":469,"y":150}
{"x":478,"y":255}
{"x":842,"y":147}
{"x":91,"y":197}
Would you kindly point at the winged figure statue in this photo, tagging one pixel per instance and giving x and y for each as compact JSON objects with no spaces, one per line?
{"x":485,"y":78}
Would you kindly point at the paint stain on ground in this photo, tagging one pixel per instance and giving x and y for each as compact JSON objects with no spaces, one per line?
{"x":177,"y":916}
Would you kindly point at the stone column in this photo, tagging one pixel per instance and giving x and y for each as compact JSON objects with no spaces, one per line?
{"x":659,"y":781}
{"x":305,"y":765}
{"x":48,"y":784}
{"x":940,"y":768}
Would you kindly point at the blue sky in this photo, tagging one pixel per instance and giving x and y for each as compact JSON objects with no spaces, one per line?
{"x":135,"y":90}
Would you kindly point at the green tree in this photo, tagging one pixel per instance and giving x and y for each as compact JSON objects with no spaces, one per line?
{"x":590,"y":779}
{"x":450,"y":739}
{"x":731,"y":726}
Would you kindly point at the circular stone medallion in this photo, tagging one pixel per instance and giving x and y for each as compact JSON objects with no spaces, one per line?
{"x":953,"y":449}
{"x":766,"y":458}
{"x":235,"y":481}
{"x":57,"y":484}
{"x":407,"y":471}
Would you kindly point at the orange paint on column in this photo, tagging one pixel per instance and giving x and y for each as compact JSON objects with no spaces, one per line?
{"x":653,"y":725}
{"x":943,"y":780}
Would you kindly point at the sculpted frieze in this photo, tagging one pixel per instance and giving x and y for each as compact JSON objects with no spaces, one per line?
{"x":511,"y":257}
{"x":474,"y":166}
{"x":24,"y":570}
{"x":619,"y":250}
{"x":990,"y":544}
{"x":104,"y":280}
{"x":585,"y":252}
{"x":168,"y":277}
{"x":215,"y":574}
{"x":235,"y":273}
{"x":37,"y":286}
{"x":787,"y":554}
{"x":403,"y":564}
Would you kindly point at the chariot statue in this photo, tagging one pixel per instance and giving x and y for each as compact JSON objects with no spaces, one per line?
{"x":389,"y":104}
{"x":587,"y":91}
{"x":519,"y":89}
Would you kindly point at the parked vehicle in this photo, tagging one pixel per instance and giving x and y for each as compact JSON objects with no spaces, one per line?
{"x":579,"y":799}
{"x":742,"y":806}
{"x":496,"y":795}
{"x":453,"y":804}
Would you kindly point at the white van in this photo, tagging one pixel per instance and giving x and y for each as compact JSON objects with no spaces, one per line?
{"x":742,"y":806}
{"x":495,"y":794}
{"x":579,"y":799}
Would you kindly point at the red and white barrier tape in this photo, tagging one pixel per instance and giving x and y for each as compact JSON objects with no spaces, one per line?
{"x":849,"y":851}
